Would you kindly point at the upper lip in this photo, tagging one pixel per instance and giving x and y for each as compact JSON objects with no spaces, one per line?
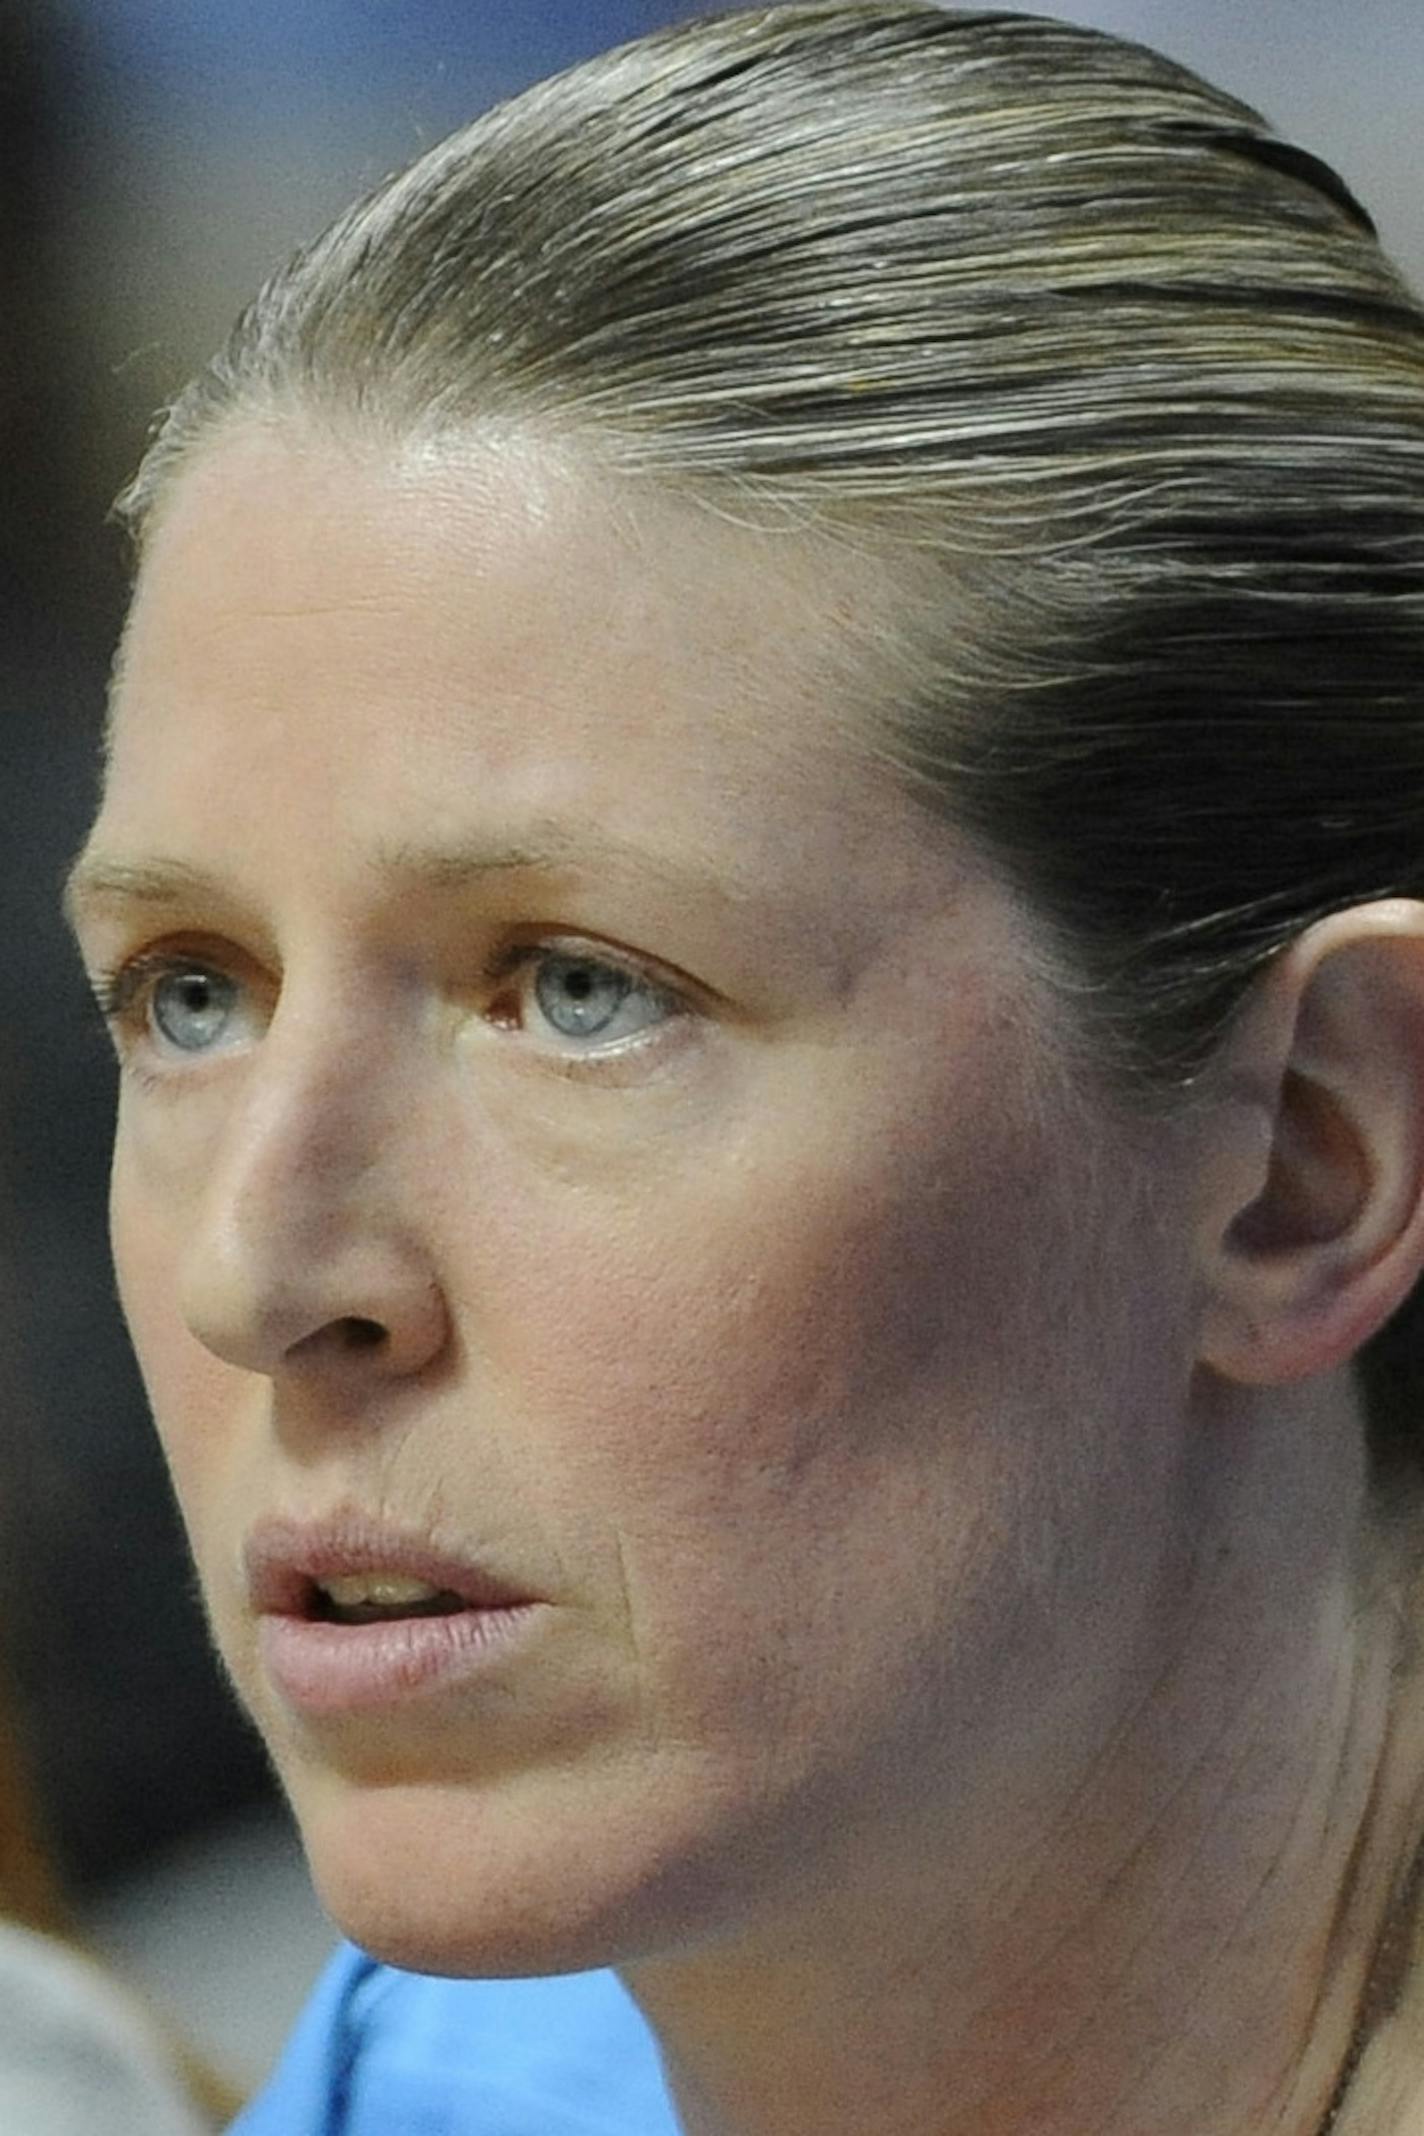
{"x":285,"y":1560}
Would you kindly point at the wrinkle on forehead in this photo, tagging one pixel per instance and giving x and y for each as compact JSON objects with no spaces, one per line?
{"x":434,"y":669}
{"x":822,"y":601}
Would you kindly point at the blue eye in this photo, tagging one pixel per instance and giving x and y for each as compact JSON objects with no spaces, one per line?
{"x":582,"y":997}
{"x":162,"y":1002}
{"x":191,"y":1008}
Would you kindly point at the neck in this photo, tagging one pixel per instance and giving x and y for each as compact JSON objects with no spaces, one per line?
{"x":1176,"y":1936}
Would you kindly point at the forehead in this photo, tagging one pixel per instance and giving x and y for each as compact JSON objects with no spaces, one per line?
{"x":484,"y":621}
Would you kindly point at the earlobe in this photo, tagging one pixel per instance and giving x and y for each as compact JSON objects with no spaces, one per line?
{"x":1317,"y":1228}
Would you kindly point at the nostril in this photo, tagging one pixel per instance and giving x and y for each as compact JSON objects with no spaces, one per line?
{"x":355,"y":1333}
{"x":400,"y":1342}
{"x":351,"y":1333}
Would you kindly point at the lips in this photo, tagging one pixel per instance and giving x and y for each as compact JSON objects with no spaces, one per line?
{"x":356,"y":1617}
{"x":291,"y":1566}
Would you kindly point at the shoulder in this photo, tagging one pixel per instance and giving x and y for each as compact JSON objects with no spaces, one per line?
{"x":378,"y":2049}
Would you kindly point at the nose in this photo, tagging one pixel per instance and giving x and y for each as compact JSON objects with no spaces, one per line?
{"x":307,"y":1253}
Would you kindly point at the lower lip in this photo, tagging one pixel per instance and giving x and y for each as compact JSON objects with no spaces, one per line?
{"x":322,"y":1668}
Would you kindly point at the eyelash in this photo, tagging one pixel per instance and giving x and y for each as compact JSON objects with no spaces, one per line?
{"x":117,"y":988}
{"x":523,"y":957}
{"x":122,"y":992}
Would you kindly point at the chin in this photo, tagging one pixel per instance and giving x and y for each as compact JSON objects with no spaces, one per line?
{"x":476,"y":1883}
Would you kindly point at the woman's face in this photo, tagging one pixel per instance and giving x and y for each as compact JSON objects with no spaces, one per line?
{"x":589,"y":1142}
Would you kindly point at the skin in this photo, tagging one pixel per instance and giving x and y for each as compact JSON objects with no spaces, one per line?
{"x":874,"y":1408}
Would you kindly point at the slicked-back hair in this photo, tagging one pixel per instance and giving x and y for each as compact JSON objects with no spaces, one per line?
{"x":1124,"y":372}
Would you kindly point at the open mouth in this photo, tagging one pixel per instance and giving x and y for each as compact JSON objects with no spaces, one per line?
{"x":378,"y":1598}
{"x":355,"y":1616}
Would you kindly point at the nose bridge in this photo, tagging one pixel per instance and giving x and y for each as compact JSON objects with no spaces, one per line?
{"x":306,"y":1223}
{"x":307,"y":1137}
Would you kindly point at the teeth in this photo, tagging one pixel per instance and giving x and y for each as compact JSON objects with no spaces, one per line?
{"x":376,"y":1590}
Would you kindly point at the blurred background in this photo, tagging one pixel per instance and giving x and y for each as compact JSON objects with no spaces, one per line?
{"x":156,"y":158}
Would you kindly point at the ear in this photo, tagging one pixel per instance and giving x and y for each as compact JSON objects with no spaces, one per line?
{"x":1312,"y":1229}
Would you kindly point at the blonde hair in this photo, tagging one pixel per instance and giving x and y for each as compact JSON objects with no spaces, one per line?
{"x":1034,"y":305}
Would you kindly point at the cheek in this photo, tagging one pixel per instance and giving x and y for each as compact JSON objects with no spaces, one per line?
{"x":145,"y":1264}
{"x":190,"y":1391}
{"x":795,"y":1391}
{"x":766,"y":1287}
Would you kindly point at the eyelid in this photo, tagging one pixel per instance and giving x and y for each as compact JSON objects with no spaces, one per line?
{"x":515,"y":955}
{"x":117,"y":987}
{"x":115,"y":984}
{"x":528,"y":942}
{"x":519,"y":961}
{"x":122,"y":991}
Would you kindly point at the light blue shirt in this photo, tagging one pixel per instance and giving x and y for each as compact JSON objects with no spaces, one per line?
{"x":379,"y":2052}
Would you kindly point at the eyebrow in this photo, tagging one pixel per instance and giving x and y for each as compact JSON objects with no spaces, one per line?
{"x":97,"y":879}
